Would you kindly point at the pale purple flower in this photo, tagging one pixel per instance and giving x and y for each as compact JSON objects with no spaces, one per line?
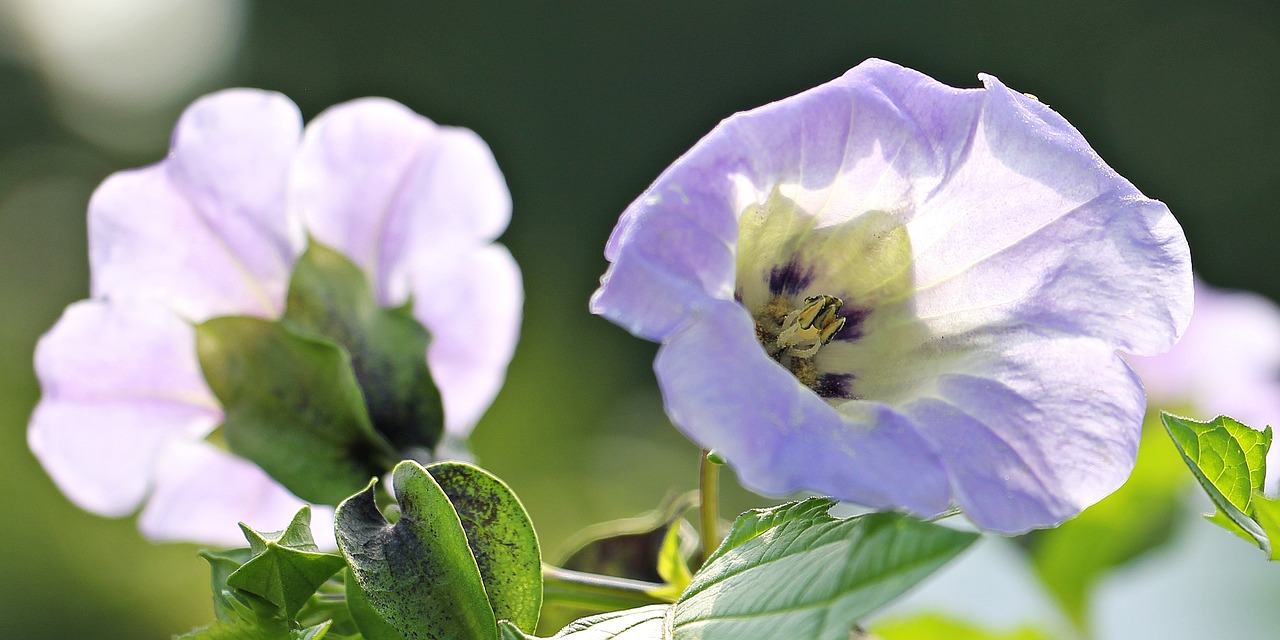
{"x":214,"y":230}
{"x":904,"y":295}
{"x":1227,"y":363}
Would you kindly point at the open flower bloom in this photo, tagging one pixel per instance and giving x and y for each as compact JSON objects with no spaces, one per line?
{"x":1227,"y":363}
{"x":904,"y":295}
{"x":215,"y":230}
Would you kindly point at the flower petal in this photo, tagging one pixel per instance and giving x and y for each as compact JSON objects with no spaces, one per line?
{"x":470,"y":301}
{"x":1012,"y":263}
{"x":206,"y":231}
{"x":202,"y":491}
{"x":1012,"y":217}
{"x":1032,"y":429}
{"x":119,"y":382}
{"x":845,"y":147}
{"x":381,"y":183}
{"x":726,"y":394}
{"x":1031,"y":227}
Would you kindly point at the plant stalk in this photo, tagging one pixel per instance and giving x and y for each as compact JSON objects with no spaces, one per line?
{"x":708,"y":505}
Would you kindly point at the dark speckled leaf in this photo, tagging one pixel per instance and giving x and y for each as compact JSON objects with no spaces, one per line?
{"x":418,"y":573}
{"x":501,"y":538}
{"x":369,"y":621}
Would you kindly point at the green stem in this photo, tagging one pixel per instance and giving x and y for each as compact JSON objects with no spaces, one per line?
{"x":595,"y":592}
{"x":709,"y":505}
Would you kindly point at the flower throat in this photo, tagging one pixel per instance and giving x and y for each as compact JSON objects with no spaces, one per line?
{"x":793,"y":336}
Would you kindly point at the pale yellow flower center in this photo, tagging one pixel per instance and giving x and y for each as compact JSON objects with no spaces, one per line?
{"x":811,"y":289}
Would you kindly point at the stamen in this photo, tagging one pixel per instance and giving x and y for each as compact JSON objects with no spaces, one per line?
{"x":807,"y":329}
{"x":793,"y":337}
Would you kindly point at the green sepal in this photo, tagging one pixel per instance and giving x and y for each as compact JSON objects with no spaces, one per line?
{"x":418,"y":574}
{"x":501,"y":538}
{"x":292,"y":406}
{"x":227,"y":605}
{"x":330,"y":297}
{"x":287,"y":568}
{"x":1229,"y":460}
{"x":241,"y":615}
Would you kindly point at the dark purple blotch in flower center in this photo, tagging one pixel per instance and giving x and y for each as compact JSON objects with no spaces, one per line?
{"x":834,"y":385}
{"x":790,"y":279}
{"x":853,"y":316}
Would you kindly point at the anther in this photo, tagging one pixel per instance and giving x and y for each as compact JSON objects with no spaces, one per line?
{"x":807,"y":329}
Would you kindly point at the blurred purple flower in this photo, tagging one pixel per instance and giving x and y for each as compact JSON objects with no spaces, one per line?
{"x":1227,"y":362}
{"x":904,"y":295}
{"x":214,"y":230}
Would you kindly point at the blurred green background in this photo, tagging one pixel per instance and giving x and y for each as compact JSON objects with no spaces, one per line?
{"x":583,"y":103}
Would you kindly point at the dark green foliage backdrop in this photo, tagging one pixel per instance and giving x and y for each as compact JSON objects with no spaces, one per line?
{"x":584,"y":103}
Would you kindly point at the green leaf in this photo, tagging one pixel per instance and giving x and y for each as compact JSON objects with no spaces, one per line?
{"x":287,"y":567}
{"x":1267,"y":512}
{"x":672,"y":566}
{"x":644,"y":623}
{"x":370,"y":623}
{"x":292,"y":406}
{"x":330,"y":297}
{"x":240,"y":615}
{"x":1136,"y":519}
{"x":791,"y":571}
{"x":795,"y":572}
{"x":501,"y":538}
{"x":936,"y":627}
{"x":1229,"y":460}
{"x":417,"y":574}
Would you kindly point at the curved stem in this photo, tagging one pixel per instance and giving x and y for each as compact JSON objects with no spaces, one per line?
{"x":709,"y":505}
{"x":596,"y":592}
